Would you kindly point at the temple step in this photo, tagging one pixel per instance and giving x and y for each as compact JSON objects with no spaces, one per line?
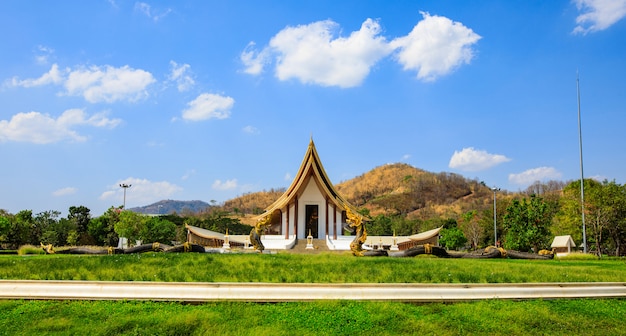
{"x":319,"y":245}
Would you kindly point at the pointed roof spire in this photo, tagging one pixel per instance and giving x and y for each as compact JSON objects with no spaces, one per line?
{"x":311,"y":167}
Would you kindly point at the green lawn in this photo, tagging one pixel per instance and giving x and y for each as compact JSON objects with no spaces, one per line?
{"x":288,"y":268}
{"x":492,"y":317}
{"x":495,"y":317}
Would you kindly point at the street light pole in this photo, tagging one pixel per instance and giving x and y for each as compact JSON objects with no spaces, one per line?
{"x":582,"y":175}
{"x":495,"y":227}
{"x":125,"y":186}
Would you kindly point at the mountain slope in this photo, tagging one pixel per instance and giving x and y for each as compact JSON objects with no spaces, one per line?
{"x":171,"y":206}
{"x":392,"y":189}
{"x":405,"y":190}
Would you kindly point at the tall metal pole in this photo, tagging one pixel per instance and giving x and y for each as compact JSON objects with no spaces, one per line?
{"x":582,"y":175}
{"x":125,"y":186}
{"x":495,"y":227}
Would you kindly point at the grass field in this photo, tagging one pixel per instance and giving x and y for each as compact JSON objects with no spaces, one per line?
{"x":290,"y":268}
{"x":492,"y":317}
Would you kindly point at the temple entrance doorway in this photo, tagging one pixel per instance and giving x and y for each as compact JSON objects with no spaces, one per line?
{"x":311,"y":218}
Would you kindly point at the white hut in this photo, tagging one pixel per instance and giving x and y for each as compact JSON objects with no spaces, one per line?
{"x":563,"y":245}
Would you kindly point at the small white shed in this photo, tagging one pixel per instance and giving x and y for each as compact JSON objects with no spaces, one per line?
{"x":563,"y":245}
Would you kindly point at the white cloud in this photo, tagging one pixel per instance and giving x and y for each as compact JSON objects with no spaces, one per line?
{"x":254,"y":61}
{"x":405,"y":157}
{"x":208,"y":106}
{"x":597,"y":15}
{"x":251,"y":130}
{"x":180,"y":74}
{"x":312,"y":54}
{"x":188,"y":174}
{"x":96,"y":84}
{"x":142,"y":191}
{"x":43,"y":54}
{"x":147,"y":10}
{"x":109,"y":84}
{"x":226,"y":185}
{"x":470,"y":159}
{"x":39,"y":128}
{"x":288,"y":177}
{"x":435,"y":47}
{"x":598,"y":178}
{"x":54,"y":76}
{"x":536,"y":174}
{"x":64,"y":191}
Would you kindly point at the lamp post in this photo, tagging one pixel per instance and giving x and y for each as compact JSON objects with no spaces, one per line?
{"x":582,"y":175}
{"x":125,"y":186}
{"x":495,"y":227}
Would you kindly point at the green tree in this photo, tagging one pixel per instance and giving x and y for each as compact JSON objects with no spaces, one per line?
{"x":63,"y":227}
{"x":49,"y":237}
{"x":102,"y":228}
{"x":129,"y":225}
{"x":614,"y":196}
{"x":605,"y":214}
{"x":157,"y":229}
{"x":43,"y":224}
{"x":218,"y":220}
{"x":19,"y":234}
{"x":387,"y":225}
{"x":452,"y":238}
{"x":527,"y":224}
{"x":72,"y":237}
{"x":380,"y":225}
{"x":81,"y":216}
{"x":5,"y":227}
{"x":605,"y":209}
{"x":470,"y":225}
{"x":568,"y":220}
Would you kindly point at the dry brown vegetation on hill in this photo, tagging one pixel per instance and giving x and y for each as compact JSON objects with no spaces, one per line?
{"x":393,"y":189}
{"x":401,"y":189}
{"x":253,"y":203}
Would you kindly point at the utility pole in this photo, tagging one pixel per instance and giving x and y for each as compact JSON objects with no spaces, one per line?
{"x":582,"y":176}
{"x":495,"y":227}
{"x":125,"y":186}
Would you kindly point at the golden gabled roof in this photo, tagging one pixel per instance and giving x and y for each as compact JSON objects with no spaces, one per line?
{"x":311,"y":167}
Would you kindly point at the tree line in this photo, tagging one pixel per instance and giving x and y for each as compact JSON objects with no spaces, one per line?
{"x":525,"y":221}
{"x":528,"y":221}
{"x":80,"y":228}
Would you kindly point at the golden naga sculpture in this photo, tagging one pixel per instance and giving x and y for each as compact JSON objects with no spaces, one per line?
{"x":356,"y":222}
{"x":47,"y":248}
{"x":258,"y":230}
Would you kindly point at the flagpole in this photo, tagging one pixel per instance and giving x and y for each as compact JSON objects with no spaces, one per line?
{"x":582,"y":176}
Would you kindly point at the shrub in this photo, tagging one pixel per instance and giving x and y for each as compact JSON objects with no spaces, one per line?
{"x":579,"y":256}
{"x":30,"y":249}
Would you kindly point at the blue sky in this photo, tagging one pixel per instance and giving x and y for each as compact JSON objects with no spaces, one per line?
{"x":208,"y":100}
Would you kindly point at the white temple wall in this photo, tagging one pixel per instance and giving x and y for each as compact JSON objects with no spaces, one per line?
{"x":311,"y":196}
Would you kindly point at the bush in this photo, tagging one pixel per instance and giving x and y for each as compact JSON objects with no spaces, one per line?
{"x":30,"y":249}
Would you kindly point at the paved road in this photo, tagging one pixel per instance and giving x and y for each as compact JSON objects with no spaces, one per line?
{"x":265,"y":292}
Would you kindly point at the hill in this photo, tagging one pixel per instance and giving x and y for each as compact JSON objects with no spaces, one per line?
{"x":393,"y":189}
{"x":401,"y":189}
{"x":254,"y":202}
{"x":172,"y":206}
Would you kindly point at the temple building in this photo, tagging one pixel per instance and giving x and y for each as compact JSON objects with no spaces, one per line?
{"x":310,"y":208}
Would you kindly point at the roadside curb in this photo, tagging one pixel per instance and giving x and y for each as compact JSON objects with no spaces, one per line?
{"x":275,"y":292}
